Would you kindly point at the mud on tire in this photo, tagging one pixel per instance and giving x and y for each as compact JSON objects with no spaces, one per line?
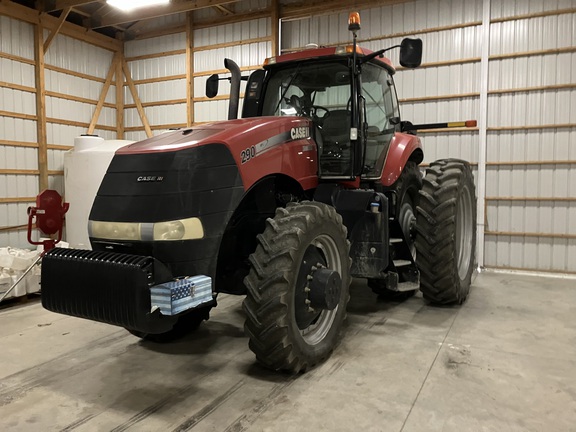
{"x":275,"y":287}
{"x":446,"y":232}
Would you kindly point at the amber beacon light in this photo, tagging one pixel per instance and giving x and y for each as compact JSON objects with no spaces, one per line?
{"x":354,"y":21}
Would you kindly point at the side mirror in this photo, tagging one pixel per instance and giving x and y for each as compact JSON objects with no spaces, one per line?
{"x":212,"y":86}
{"x":411,"y":53}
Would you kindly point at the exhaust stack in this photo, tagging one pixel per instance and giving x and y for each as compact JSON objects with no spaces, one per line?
{"x":234,"y":88}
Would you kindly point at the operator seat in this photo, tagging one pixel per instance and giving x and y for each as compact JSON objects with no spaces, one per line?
{"x":336,"y":128}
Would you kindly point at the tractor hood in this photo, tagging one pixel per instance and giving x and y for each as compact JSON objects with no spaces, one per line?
{"x":232,"y":133}
{"x":194,"y":175}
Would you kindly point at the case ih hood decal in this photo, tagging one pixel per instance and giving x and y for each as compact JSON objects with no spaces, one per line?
{"x":300,"y":132}
{"x":256,"y":150}
{"x":149,"y":179}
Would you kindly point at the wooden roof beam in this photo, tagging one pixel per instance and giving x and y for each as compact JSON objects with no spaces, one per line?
{"x":307,"y":8}
{"x":154,"y":12}
{"x":56,"y":5}
{"x":224,"y":10}
{"x":56,"y":30}
{"x":80,"y":12}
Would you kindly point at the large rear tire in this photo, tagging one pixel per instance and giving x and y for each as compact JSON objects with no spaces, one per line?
{"x":407,"y":188}
{"x":286,"y":331}
{"x":446,"y":232}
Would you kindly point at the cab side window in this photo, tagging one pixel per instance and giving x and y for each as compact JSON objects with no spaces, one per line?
{"x":382,"y":115}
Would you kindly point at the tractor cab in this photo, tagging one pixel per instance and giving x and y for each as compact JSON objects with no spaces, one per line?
{"x":322,"y":90}
{"x":348,"y":94}
{"x":319,"y":90}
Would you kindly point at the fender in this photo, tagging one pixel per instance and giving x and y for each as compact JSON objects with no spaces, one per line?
{"x":403,"y":147}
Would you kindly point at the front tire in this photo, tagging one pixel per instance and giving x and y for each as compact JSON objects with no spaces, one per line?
{"x":446,"y":232}
{"x":284,"y":333}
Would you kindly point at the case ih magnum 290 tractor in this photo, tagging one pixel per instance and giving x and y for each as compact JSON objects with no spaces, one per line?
{"x":317,"y":183}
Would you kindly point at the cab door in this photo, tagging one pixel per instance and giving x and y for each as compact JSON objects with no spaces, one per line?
{"x":381,"y":116}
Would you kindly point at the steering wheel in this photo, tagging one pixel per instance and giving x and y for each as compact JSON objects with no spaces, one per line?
{"x":295,"y":102}
{"x":314,"y":112}
{"x":319,"y":119}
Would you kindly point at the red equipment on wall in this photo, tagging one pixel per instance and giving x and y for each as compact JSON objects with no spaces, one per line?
{"x":49,"y":213}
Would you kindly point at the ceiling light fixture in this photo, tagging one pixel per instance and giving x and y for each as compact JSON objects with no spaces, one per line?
{"x":129,"y":5}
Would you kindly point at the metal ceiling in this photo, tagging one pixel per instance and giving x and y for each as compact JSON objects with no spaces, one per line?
{"x":97,"y":15}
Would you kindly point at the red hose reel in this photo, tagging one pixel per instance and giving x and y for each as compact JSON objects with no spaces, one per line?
{"x":49,"y":214}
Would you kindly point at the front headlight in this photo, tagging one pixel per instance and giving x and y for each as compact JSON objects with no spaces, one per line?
{"x":173,"y":230}
{"x":182,"y":229}
{"x":115,"y":230}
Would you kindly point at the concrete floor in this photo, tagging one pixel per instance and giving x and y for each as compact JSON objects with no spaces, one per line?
{"x":505,"y":361}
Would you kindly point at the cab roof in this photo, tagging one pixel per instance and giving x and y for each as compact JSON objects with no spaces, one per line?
{"x":327,"y":52}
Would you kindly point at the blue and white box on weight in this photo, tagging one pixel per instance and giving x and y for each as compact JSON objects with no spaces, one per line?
{"x":179,"y":295}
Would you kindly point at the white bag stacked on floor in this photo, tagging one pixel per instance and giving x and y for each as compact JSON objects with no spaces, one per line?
{"x":13,"y":263}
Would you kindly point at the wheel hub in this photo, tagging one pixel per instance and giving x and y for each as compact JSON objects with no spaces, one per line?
{"x":318,"y":288}
{"x":325,"y":288}
{"x":407,"y":221}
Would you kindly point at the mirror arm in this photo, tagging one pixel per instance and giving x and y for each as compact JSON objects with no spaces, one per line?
{"x":376,"y":54}
{"x":242,"y":78}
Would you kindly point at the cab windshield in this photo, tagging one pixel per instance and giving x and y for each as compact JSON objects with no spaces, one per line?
{"x":321,"y":92}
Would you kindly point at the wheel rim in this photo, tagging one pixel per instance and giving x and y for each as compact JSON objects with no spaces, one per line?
{"x":317,"y":331}
{"x":407,"y":220}
{"x":464,"y":230}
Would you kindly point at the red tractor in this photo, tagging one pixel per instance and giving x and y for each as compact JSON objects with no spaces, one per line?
{"x":317,"y":183}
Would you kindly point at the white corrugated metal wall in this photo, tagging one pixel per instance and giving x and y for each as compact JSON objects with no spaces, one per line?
{"x":531,"y":143}
{"x":73,"y":84}
{"x":531,"y":148}
{"x":16,"y":67}
{"x":160,"y":82}
{"x":248,"y":43}
{"x":531,"y":175}
{"x":241,"y":42}
{"x":158,"y":67}
{"x":67,"y":119}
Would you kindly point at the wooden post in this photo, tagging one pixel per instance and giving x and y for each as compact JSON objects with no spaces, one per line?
{"x":41,"y":107}
{"x":120,"y":96}
{"x":103,"y":94}
{"x":189,"y":69}
{"x":136,"y":98}
{"x":275,"y":25}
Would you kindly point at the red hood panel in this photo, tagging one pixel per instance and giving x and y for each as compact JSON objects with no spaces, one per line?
{"x":226,"y":132}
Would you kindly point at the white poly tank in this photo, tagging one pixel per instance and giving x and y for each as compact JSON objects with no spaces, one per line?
{"x":84,"y":169}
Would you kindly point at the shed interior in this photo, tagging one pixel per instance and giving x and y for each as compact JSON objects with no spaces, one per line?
{"x":73,"y":67}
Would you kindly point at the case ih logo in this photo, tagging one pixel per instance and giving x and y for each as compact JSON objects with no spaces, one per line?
{"x":150,"y":179}
{"x":300,"y":132}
